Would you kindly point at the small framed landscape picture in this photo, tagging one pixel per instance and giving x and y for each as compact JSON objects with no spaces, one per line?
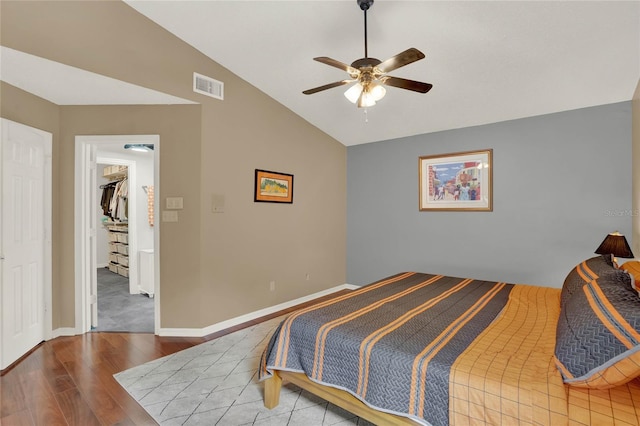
{"x":460,"y":181}
{"x":273,"y":187}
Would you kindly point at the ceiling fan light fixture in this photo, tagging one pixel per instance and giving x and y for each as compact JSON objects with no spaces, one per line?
{"x":365,"y":95}
{"x":377,"y":91}
{"x":366,"y":100}
{"x":353,"y":93}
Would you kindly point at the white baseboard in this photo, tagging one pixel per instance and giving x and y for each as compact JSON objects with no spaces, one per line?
{"x":201,"y":332}
{"x":64,"y":331}
{"x":102,"y":265}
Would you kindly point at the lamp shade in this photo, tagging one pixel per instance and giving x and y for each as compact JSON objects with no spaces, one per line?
{"x":616,"y":244}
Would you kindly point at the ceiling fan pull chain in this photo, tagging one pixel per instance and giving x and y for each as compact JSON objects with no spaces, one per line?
{"x":366,"y":116}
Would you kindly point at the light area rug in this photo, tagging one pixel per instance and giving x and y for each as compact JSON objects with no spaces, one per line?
{"x":215,"y":383}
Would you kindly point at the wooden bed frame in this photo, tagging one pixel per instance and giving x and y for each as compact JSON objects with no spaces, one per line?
{"x":342,"y":399}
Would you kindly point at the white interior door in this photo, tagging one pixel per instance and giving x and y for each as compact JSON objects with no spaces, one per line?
{"x":85,"y":246}
{"x":93,"y":234}
{"x":25,"y":153}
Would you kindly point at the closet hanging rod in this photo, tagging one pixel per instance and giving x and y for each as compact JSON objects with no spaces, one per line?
{"x":106,"y":185}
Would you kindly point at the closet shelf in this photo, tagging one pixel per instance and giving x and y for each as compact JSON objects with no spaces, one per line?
{"x":112,"y":172}
{"x":115,"y":176}
{"x":118,"y":247}
{"x":115,"y":223}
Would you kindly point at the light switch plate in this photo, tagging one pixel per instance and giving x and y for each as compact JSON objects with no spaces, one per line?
{"x":169,"y":216}
{"x":217,"y":203}
{"x":175,"y":203}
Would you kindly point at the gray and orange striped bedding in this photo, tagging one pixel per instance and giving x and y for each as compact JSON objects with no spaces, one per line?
{"x":441,"y":350}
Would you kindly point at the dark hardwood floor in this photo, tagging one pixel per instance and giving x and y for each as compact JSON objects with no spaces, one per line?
{"x":69,"y":380}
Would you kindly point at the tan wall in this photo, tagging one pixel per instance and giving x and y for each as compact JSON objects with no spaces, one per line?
{"x":213,"y":266}
{"x":179,"y":130}
{"x":635,"y":170}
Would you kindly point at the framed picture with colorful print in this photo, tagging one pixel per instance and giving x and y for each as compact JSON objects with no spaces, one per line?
{"x":458,"y":181}
{"x":273,"y":187}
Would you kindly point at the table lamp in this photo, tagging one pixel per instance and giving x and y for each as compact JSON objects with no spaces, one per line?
{"x":615,"y":244}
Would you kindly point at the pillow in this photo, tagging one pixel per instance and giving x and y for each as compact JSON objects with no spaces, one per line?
{"x":584,"y":273}
{"x":598,"y":333}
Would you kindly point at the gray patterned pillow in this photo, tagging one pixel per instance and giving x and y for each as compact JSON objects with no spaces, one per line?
{"x":598,"y":333}
{"x":584,"y":273}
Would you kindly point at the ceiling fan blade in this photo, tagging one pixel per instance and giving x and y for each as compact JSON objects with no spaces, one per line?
{"x":341,"y":65}
{"x":403,"y":83}
{"x":401,"y":59}
{"x":327,"y":86}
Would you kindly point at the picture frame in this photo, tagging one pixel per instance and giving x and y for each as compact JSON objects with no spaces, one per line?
{"x":273,"y":187}
{"x":461,"y":181}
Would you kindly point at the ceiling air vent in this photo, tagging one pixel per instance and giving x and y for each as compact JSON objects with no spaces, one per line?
{"x":208,"y":86}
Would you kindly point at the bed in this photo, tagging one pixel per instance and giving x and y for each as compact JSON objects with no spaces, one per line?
{"x":418,"y":348}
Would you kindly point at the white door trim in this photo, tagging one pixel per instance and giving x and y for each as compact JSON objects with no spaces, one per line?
{"x":82,"y":237}
{"x":47,"y":227}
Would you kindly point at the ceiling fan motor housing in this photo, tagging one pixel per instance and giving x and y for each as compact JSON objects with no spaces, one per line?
{"x":365,"y":63}
{"x":365,"y":4}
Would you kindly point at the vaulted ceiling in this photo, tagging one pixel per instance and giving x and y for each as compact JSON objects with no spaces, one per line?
{"x":488,"y":61}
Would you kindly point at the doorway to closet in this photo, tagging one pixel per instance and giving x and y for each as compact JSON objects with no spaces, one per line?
{"x":124,"y":305}
{"x":116,"y":272}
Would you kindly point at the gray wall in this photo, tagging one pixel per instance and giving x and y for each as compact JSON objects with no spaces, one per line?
{"x":561,"y":182}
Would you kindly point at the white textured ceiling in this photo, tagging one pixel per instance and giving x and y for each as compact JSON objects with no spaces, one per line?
{"x":488,"y":61}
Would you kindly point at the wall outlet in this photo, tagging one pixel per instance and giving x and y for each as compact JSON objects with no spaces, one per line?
{"x":307,"y":277}
{"x":272,"y":286}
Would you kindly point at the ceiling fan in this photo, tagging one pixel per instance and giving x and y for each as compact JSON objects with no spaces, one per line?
{"x":370,"y":74}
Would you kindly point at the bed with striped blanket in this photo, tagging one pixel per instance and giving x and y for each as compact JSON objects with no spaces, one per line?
{"x":431,"y":349}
